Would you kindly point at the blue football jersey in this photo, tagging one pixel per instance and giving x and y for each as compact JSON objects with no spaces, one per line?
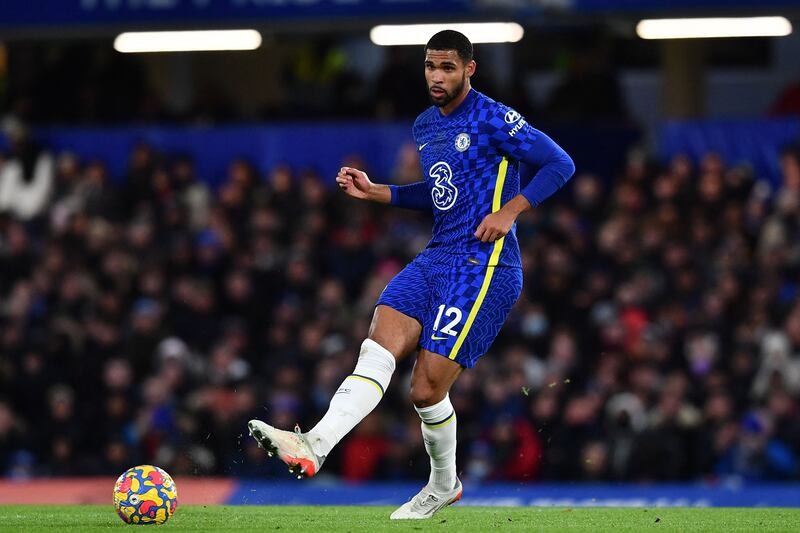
{"x":470,"y":162}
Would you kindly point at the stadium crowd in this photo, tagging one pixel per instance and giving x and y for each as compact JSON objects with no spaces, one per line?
{"x":146,"y":319}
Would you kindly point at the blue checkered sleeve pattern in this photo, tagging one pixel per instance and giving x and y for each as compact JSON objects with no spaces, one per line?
{"x":509,"y":133}
{"x":537,"y":153}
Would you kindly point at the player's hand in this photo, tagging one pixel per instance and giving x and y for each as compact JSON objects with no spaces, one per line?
{"x":495,"y":225}
{"x":354,"y":182}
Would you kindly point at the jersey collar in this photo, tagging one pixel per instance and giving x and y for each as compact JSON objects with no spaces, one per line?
{"x":462,"y":107}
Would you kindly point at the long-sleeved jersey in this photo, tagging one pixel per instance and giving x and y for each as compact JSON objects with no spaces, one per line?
{"x":471,"y":160}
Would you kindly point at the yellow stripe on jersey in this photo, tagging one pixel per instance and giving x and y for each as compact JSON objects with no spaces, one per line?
{"x":493,"y":259}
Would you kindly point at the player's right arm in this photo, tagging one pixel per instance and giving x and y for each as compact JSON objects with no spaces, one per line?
{"x":357,"y":184}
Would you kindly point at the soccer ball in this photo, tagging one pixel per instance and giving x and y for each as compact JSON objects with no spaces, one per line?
{"x":145,"y":494}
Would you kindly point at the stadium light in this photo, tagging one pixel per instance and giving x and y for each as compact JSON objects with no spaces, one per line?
{"x":187,"y":41}
{"x":695,"y":28}
{"x":479,"y":32}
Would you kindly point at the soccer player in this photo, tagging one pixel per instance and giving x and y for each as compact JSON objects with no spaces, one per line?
{"x":452,"y":299}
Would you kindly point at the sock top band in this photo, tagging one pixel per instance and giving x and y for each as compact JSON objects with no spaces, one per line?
{"x":442,"y":422}
{"x":369,"y":379}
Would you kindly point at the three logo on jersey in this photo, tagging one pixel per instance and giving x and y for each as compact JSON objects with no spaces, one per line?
{"x":444,"y":193}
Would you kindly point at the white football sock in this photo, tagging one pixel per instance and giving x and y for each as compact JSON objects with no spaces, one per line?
{"x":357,"y":396}
{"x":439,"y":434}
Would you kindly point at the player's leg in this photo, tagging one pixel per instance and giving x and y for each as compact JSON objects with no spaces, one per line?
{"x":393,"y":334}
{"x":472,"y":307}
{"x":431,"y":380}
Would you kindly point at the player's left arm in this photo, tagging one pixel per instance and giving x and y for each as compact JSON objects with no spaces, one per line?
{"x":538,"y":155}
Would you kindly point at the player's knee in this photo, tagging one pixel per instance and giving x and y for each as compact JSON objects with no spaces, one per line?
{"x":424,"y":395}
{"x":386,"y":343}
{"x":394,"y":331}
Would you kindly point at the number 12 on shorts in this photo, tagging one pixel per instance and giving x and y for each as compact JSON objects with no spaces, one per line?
{"x":453,"y":314}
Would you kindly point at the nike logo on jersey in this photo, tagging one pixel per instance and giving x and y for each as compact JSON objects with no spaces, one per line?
{"x":421,"y":146}
{"x":435,"y":338}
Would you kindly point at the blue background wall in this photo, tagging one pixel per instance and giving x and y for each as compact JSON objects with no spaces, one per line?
{"x":319,"y":146}
{"x":324,"y":146}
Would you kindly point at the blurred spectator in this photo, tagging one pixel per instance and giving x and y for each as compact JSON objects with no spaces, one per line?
{"x":515,"y":450}
{"x":194,"y":195}
{"x":364,"y":450}
{"x":11,"y":438}
{"x":757,"y":456}
{"x":26,"y":175}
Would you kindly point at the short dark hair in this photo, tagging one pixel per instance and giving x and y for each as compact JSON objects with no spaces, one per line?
{"x":451,"y":40}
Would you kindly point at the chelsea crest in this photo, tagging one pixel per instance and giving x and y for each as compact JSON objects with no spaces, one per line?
{"x":462,"y":142}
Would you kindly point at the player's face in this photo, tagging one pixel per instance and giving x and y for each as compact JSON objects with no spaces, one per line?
{"x":446,"y":76}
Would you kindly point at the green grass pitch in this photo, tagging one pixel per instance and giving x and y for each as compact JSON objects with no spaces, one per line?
{"x":88,"y":518}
